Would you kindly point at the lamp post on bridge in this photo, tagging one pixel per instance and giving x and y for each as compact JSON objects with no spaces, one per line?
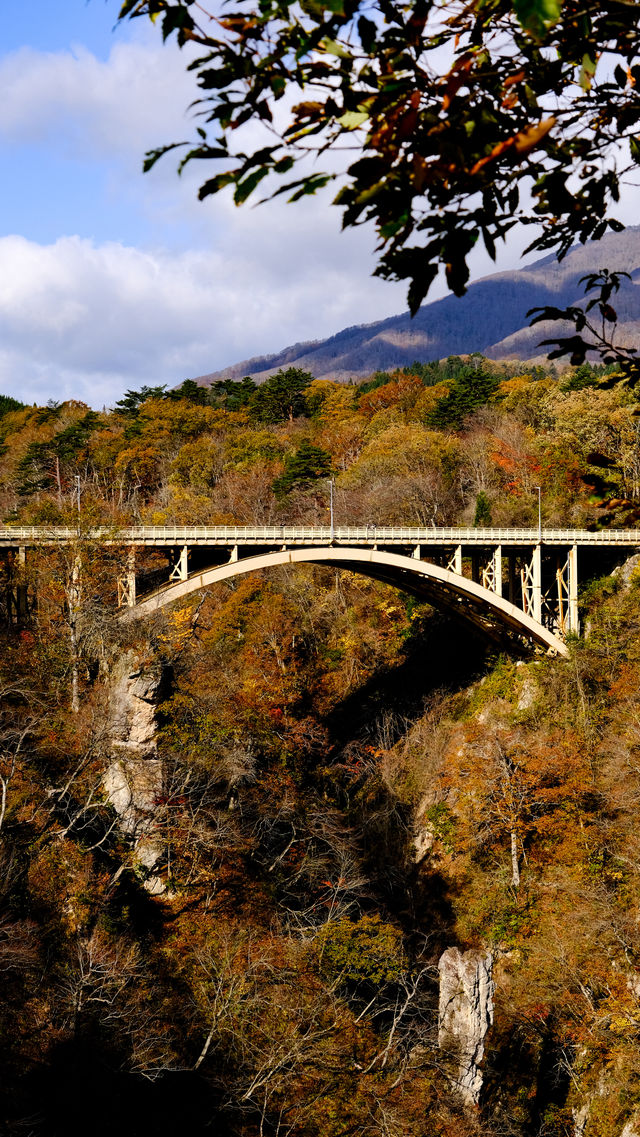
{"x":331,"y":522}
{"x":538,"y":488}
{"x":77,"y":491}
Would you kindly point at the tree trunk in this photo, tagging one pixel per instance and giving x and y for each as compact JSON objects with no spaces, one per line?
{"x":74,"y":608}
{"x":515,"y":868}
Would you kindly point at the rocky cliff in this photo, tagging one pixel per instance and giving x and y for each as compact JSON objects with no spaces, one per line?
{"x":133,"y":782}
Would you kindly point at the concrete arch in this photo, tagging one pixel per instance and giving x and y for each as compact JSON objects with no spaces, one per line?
{"x":441,"y":587}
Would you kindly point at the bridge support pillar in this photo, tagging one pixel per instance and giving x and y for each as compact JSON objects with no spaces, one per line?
{"x":180,"y":570}
{"x":18,"y":608}
{"x":537,"y":582}
{"x":512,"y":579}
{"x":492,"y":571}
{"x":572,"y":560}
{"x":127,"y":583}
{"x":531,"y":574}
{"x":567,"y":599}
{"x":22,"y":597}
{"x":416,"y":553}
{"x":454,"y":561}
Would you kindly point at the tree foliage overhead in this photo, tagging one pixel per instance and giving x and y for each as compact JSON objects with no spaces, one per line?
{"x":597,"y":320}
{"x":457,"y":120}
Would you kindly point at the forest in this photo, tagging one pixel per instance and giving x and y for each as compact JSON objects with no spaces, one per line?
{"x":334,"y":784}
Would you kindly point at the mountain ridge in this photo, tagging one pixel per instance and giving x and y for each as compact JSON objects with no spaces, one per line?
{"x":490,"y":318}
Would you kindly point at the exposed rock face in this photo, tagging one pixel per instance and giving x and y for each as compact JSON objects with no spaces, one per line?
{"x":465,"y":1015}
{"x":580,"y":1118}
{"x":133,"y":781}
{"x":628,"y":571}
{"x":581,"y":1128}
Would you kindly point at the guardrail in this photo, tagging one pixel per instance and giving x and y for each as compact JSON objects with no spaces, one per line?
{"x":16,"y":535}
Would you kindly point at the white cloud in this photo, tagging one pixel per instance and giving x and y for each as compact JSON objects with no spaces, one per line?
{"x":220,"y":283}
{"x":117,"y":107}
{"x":86,"y":321}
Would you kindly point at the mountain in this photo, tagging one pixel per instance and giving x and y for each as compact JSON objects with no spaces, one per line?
{"x":491,"y":318}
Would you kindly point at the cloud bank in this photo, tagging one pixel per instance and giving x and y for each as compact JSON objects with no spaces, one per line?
{"x":209,"y":284}
{"x":80,"y":320}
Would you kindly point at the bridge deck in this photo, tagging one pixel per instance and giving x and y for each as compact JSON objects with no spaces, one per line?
{"x":224,"y":535}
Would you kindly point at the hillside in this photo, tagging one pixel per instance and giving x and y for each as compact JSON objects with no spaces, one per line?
{"x":300,"y":856}
{"x":490,"y":318}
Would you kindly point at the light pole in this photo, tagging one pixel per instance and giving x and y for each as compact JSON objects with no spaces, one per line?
{"x":331,"y":485}
{"x":539,"y":511}
{"x":77,"y":493}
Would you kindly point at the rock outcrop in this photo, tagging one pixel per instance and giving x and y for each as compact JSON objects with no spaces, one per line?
{"x":465,"y":1015}
{"x":585,"y":1124}
{"x":627,"y":573}
{"x":134,"y":780}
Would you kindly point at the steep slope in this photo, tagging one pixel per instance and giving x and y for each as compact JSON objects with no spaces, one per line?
{"x":491,"y":318}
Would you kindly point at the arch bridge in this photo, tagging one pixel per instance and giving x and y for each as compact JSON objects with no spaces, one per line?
{"x":519,"y":582}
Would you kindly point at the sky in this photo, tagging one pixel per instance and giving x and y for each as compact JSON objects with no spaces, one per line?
{"x":111,"y":279}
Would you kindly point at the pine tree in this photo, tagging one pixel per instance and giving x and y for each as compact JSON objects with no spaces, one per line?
{"x":302,"y":468}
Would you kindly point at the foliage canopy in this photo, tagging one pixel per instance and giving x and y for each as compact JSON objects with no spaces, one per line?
{"x":459,"y":120}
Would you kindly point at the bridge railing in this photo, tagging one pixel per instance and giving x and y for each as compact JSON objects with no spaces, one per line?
{"x":277,"y":534}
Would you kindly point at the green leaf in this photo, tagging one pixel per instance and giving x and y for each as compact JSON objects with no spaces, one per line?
{"x":537,"y":15}
{"x":390,"y":228}
{"x":351,"y":120}
{"x":283,"y":165}
{"x":214,"y":185}
{"x":634,"y":146}
{"x":587,"y":72}
{"x":313,"y":8}
{"x":246,"y":188}
{"x":334,"y":47}
{"x":152,"y":156}
{"x":310,"y":185}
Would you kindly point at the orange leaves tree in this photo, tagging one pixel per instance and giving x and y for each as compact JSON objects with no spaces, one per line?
{"x":459,"y":120}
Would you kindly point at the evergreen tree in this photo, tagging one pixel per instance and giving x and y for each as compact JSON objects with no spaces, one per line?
{"x":45,"y":465}
{"x":482,"y":517}
{"x":583,"y":376}
{"x":302,"y":468}
{"x":131,"y":401}
{"x":472,"y":388}
{"x":189,"y":390}
{"x":7,"y":404}
{"x":282,"y":396}
{"x":232,"y":394}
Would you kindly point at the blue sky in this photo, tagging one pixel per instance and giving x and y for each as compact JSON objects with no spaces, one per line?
{"x":47,"y":25}
{"x":25,"y":168}
{"x":53,"y":184}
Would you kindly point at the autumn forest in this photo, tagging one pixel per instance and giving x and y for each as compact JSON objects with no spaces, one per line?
{"x":237,"y":838}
